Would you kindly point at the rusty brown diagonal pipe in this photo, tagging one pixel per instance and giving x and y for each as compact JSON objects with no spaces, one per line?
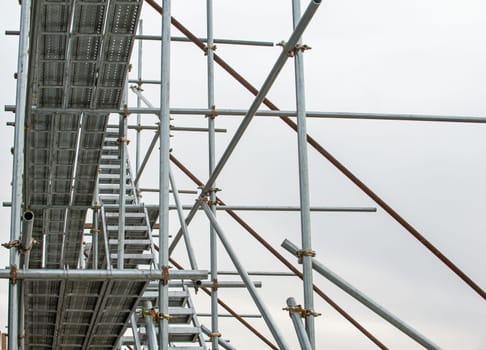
{"x":282,"y":259}
{"x":414,"y":232}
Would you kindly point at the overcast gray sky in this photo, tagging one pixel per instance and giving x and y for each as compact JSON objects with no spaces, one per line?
{"x":368,"y":56}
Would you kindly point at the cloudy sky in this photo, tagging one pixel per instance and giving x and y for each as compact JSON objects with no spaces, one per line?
{"x":386,"y":56}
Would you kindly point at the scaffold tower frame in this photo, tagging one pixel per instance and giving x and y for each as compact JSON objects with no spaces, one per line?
{"x":92,"y":263}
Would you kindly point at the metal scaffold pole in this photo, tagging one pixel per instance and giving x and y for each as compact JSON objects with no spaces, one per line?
{"x":18,"y":168}
{"x":164,"y":128}
{"x":139,"y":101}
{"x":215,"y":334}
{"x":305,"y":220}
{"x":122,"y":140}
{"x":364,"y":299}
{"x":105,"y":272}
{"x":259,"y":99}
{"x":294,"y":310}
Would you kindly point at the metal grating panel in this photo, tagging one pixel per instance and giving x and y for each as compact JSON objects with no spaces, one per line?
{"x":80,"y":52}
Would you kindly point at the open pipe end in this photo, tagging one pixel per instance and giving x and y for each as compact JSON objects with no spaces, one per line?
{"x":28,"y":216}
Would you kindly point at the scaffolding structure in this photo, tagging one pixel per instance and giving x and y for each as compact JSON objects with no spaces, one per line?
{"x":92,"y":265}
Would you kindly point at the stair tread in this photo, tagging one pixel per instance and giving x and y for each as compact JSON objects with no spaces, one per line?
{"x":132,"y":241}
{"x":128,"y":228}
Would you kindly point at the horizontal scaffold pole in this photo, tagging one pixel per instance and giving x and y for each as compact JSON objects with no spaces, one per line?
{"x":276,"y":114}
{"x":133,"y":275}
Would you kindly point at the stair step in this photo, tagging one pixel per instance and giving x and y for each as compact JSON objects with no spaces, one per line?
{"x":110,"y":186}
{"x":127,"y":228}
{"x":128,"y":214}
{"x":109,"y":166}
{"x":183,"y":334}
{"x":111,"y":179}
{"x":132,"y":242}
{"x":109,"y":157}
{"x":108,"y":191}
{"x":114,"y":197}
{"x":136,"y":259}
{"x":114,"y":201}
{"x":177,"y":298}
{"x":181,"y":315}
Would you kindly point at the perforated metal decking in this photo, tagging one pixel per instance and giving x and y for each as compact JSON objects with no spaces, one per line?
{"x":79,"y":59}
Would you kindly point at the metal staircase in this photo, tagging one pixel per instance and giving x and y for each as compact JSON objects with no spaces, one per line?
{"x":184,"y":329}
{"x":138,"y":245}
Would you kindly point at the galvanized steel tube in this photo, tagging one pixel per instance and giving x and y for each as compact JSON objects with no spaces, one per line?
{"x":213,"y":246}
{"x":224,"y":344}
{"x":164,"y":172}
{"x":150,"y":328}
{"x":277,"y":67}
{"x":136,"y":336}
{"x":122,"y":196}
{"x":365,"y":300}
{"x":127,"y":274}
{"x":27,"y":242}
{"x":139,"y":104}
{"x":299,"y":327}
{"x":305,"y":220}
{"x":272,"y":76}
{"x":180,"y":214}
{"x":246,"y":279}
{"x":18,"y":165}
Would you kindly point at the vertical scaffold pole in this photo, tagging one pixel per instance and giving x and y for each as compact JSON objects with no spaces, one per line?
{"x":123,"y":183}
{"x":96,"y":227}
{"x":149,"y":327}
{"x":299,"y":327}
{"x":136,"y":337}
{"x":18,"y":166}
{"x":139,"y":101}
{"x":164,"y":175}
{"x":212,"y":163}
{"x":305,"y":221}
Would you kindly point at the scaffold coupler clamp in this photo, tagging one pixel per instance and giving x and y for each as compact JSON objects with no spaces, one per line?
{"x":202,"y":199}
{"x":24,"y":250}
{"x":13,"y":274}
{"x":301,"y":311}
{"x":123,"y":140}
{"x":209,"y":47}
{"x":298,"y":47}
{"x":217,"y":201}
{"x":214,"y":190}
{"x":214,"y":334}
{"x":215,"y":285}
{"x":305,"y":252}
{"x":18,"y":244}
{"x":12,"y":244}
{"x":137,"y":87}
{"x":156,"y":316}
{"x":213,"y":114}
{"x":165,"y":275}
